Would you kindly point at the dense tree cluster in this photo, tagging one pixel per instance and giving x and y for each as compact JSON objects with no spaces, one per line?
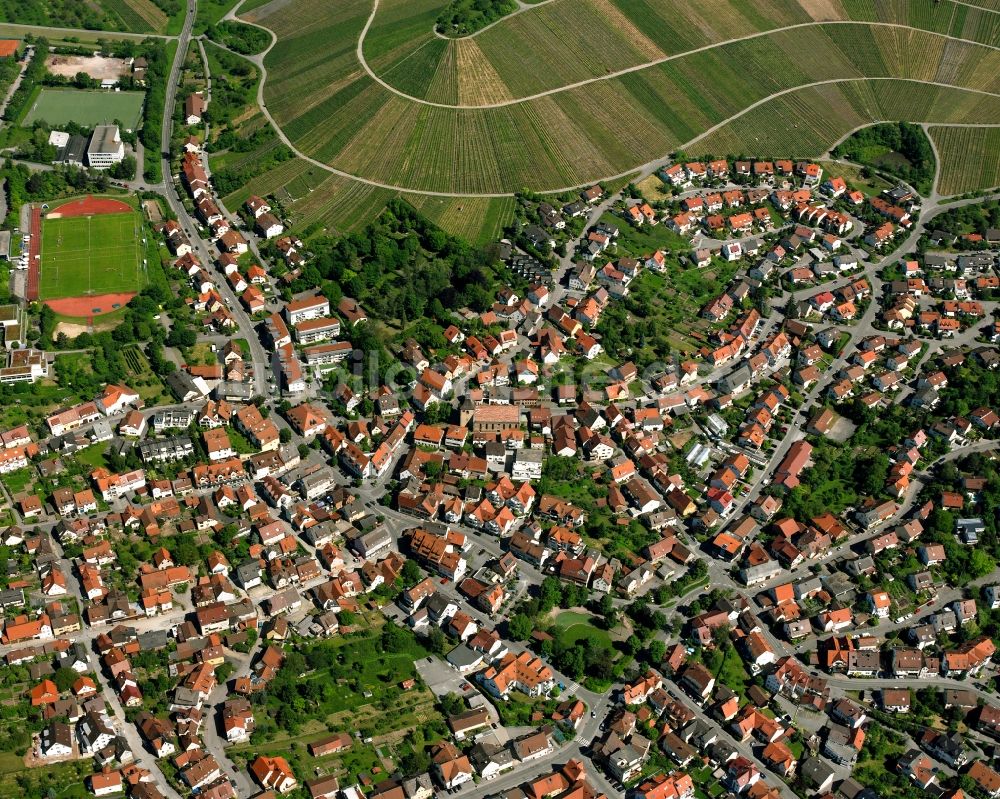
{"x":157,"y":74}
{"x":973,"y":218}
{"x":244,"y":39}
{"x":463,"y":17}
{"x":33,"y":75}
{"x":876,"y":145}
{"x":839,"y":477}
{"x":23,"y":185}
{"x":168,"y":7}
{"x":403,"y":267}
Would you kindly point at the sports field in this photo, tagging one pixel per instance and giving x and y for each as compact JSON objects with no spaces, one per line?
{"x":91,"y":255}
{"x":86,"y":107}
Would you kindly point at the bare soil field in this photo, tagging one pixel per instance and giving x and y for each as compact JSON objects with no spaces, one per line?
{"x":96,"y":66}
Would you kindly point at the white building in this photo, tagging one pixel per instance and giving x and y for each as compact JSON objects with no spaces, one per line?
{"x":307,"y":308}
{"x":106,"y":147}
{"x":527,"y":465}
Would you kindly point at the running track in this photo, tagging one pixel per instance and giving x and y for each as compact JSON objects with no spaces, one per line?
{"x":34,"y":248}
{"x":87,"y":206}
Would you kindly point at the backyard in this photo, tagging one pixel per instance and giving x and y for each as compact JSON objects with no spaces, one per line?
{"x":353,"y":683}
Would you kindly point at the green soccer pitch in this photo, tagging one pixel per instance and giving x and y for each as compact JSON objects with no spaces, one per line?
{"x":89,"y":255}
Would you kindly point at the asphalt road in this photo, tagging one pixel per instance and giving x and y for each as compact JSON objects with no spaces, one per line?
{"x":261,"y":360}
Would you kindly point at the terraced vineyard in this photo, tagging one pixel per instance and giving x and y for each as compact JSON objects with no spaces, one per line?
{"x":969,"y":158}
{"x":826,"y":113}
{"x":575,"y":91}
{"x":140,"y":16}
{"x":312,"y":196}
{"x":531,"y":52}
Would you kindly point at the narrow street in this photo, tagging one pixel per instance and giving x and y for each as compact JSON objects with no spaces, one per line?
{"x":246,"y":330}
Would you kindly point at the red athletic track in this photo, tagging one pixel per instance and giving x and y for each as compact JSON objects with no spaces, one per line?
{"x":75,"y":306}
{"x":89,"y":206}
{"x":33,"y":249}
{"x":89,"y":306}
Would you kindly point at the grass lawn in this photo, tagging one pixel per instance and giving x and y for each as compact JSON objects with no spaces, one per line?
{"x":92,"y":456}
{"x":33,"y":403}
{"x":210,"y":12}
{"x":91,"y":255}
{"x":733,"y":673}
{"x":669,"y":304}
{"x":201,"y":354}
{"x":727,"y":666}
{"x":652,"y":188}
{"x":575,"y":487}
{"x":239,"y":441}
{"x":576,"y":627}
{"x":647,"y":239}
{"x":901,"y":594}
{"x":17,"y":481}
{"x":86,"y":107}
{"x":347,"y":766}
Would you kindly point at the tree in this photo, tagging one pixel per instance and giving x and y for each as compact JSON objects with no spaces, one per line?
{"x":721,"y":636}
{"x":184,"y":551}
{"x":416,"y":761}
{"x":181,"y":336}
{"x":943,"y":521}
{"x":285,"y":435}
{"x":980,"y":564}
{"x":656,"y":651}
{"x":436,"y":640}
{"x":395,"y":639}
{"x":410,"y":573}
{"x":609,"y":611}
{"x":124,"y":169}
{"x":550,"y":593}
{"x":607,"y":605}
{"x":64,"y":678}
{"x":451,"y":704}
{"x":520,"y":627}
{"x":570,"y":659}
{"x":872,"y":472}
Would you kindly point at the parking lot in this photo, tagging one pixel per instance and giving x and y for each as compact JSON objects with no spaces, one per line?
{"x":442,"y":679}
